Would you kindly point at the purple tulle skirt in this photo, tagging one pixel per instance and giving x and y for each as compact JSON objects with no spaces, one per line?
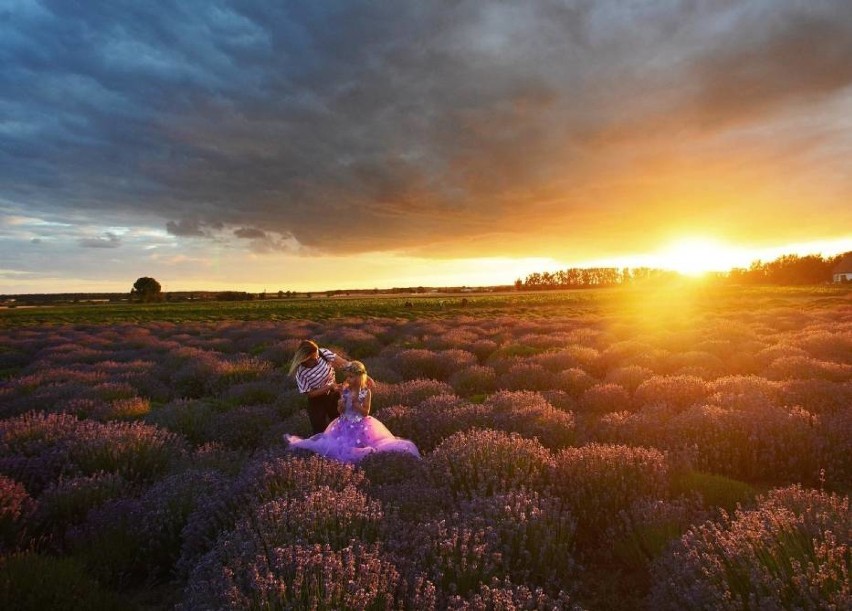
{"x":351,"y":440}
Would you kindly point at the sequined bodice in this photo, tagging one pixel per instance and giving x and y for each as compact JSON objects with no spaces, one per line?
{"x":351,"y":402}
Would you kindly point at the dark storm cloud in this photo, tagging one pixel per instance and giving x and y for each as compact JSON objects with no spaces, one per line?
{"x":789,"y":62}
{"x":348,"y":126}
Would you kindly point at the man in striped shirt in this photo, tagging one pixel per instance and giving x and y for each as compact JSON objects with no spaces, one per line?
{"x":314,"y":369}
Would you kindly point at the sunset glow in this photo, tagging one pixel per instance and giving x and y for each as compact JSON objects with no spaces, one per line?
{"x":696,"y":256}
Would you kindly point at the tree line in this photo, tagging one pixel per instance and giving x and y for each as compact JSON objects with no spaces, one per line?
{"x":590,"y":277}
{"x":787,"y":269}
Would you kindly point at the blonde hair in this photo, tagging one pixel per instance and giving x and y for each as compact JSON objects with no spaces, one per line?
{"x":356,"y":368}
{"x":305,"y":349}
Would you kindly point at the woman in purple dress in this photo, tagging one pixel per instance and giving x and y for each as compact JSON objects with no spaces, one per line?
{"x":354,"y":434}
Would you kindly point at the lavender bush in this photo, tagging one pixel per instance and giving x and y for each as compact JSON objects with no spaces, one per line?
{"x":597,"y":481}
{"x":525,"y":376}
{"x":136,"y":451}
{"x":629,"y":353}
{"x":292,"y":577}
{"x":269,"y":476}
{"x":752,"y":445}
{"x":827,"y":345}
{"x":791,"y":552}
{"x":483,"y":462}
{"x":744,"y":392}
{"x":533,"y":533}
{"x":251,"y":426}
{"x":678,"y":392}
{"x":511,"y":597}
{"x":38,"y":448}
{"x":804,"y":368}
{"x":530,"y":415}
{"x":411,"y":392}
{"x":16,"y":508}
{"x":713,"y":490}
{"x":429,"y":426}
{"x":419,"y":363}
{"x":68,"y":501}
{"x":483,"y":349}
{"x":34,"y":582}
{"x":574,"y":381}
{"x":557,"y":360}
{"x":643,"y":531}
{"x":604,"y":398}
{"x":129,"y":539}
{"x":694,"y":362}
{"x":357,"y":343}
{"x":322,"y":516}
{"x":191,"y":418}
{"x":629,"y":377}
{"x":454,"y":556}
{"x":816,"y":395}
{"x":382,"y":468}
{"x":473,"y":380}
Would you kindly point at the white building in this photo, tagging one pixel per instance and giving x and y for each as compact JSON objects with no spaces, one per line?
{"x":842,"y":272}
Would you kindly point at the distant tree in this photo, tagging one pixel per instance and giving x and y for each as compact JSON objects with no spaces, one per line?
{"x":592,"y":277}
{"x":147,"y":289}
{"x":792,"y":269}
{"x":533,"y":281}
{"x":574,"y":277}
{"x":786,"y":269}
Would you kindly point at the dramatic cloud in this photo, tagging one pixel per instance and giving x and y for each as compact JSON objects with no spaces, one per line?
{"x":437,"y":129}
{"x":248,"y":233}
{"x":110,"y":240}
{"x":191,"y":227}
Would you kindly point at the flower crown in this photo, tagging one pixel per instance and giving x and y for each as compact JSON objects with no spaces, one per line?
{"x":356,"y":369}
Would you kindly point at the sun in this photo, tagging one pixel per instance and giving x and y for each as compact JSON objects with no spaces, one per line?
{"x":694,"y":256}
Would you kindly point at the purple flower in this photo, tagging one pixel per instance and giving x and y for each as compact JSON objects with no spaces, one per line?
{"x":790,"y":552}
{"x":483,"y":462}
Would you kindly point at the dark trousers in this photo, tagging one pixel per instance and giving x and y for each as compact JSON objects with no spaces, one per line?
{"x":322,"y":410}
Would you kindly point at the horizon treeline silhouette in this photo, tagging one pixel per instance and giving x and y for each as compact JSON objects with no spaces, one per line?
{"x":786,"y":269}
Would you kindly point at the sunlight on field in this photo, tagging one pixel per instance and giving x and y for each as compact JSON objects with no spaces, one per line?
{"x":676,"y":304}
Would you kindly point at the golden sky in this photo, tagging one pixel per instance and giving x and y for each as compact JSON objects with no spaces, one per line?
{"x":251,"y":146}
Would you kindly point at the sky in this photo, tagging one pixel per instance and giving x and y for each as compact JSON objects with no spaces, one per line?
{"x":256,"y":145}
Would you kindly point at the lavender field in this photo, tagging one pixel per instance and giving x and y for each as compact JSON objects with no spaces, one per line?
{"x":638,"y":449}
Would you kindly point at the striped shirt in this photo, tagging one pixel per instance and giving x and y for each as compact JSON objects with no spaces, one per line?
{"x":321,"y":374}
